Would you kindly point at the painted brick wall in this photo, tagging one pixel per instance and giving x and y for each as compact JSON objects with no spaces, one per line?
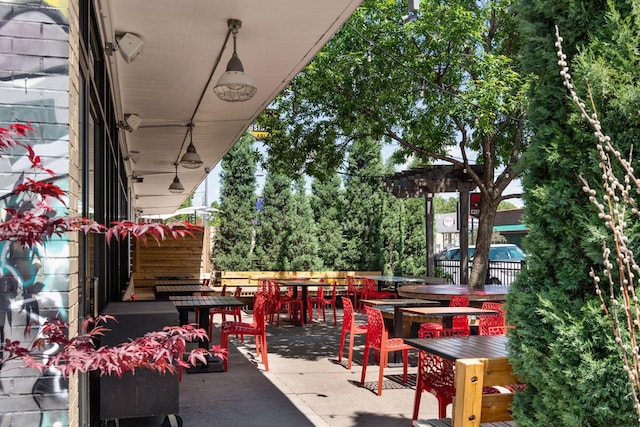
{"x":36,"y":45}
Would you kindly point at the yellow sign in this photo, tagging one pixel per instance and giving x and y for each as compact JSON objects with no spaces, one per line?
{"x":258,"y":133}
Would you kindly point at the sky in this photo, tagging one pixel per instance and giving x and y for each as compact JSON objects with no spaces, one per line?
{"x":212,"y":184}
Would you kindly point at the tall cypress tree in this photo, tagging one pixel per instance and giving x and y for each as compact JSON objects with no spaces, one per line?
{"x":326,"y":203}
{"x":271,"y":252}
{"x":562,"y":347}
{"x":301,"y":241}
{"x":362,"y":211}
{"x":233,"y":242}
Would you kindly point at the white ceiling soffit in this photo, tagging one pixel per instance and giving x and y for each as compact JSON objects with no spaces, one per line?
{"x":182,"y":40}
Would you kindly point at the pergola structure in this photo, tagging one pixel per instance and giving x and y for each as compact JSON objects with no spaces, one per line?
{"x":427,"y":181}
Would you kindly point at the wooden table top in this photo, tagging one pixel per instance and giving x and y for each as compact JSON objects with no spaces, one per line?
{"x":205,"y":301}
{"x":445,"y":292}
{"x":470,"y":347}
{"x":402,"y":302}
{"x":446,"y":311}
{"x":167,"y":289}
{"x":299,"y":282}
{"x":178,"y":282}
{"x":393,"y":279}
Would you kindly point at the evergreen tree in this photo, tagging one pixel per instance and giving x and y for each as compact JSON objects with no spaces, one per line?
{"x":414,"y":260}
{"x":362,"y":211}
{"x":562,"y":346}
{"x":233,"y":245}
{"x":326,"y":203}
{"x":300,"y":240}
{"x":271,"y":251}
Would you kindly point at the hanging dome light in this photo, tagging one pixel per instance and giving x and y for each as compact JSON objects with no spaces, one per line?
{"x":176,"y":186}
{"x":191,"y":159}
{"x":234,"y":85}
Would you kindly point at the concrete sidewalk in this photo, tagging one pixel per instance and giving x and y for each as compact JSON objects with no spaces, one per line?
{"x":305,"y":385}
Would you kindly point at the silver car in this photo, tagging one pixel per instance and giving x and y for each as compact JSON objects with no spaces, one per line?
{"x":505,"y":262}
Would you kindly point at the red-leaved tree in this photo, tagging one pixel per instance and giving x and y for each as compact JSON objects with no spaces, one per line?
{"x":32,"y":221}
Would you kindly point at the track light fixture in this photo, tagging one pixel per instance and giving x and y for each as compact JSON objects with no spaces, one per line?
{"x":191,"y":159}
{"x":176,"y":186}
{"x":234,"y":85}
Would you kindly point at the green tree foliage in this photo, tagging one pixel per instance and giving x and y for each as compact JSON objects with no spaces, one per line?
{"x":272,"y":228}
{"x":300,"y":240}
{"x":326,"y":203}
{"x":446,"y":80}
{"x":363,"y":208}
{"x":562,"y":346}
{"x":233,"y":248}
{"x":442,"y":205}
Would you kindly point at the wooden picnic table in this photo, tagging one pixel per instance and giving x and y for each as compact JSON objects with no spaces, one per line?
{"x":165,"y":291}
{"x":470,"y":347}
{"x":496,"y":293}
{"x":446,"y":313}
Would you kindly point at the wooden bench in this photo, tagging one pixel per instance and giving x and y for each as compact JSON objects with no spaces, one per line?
{"x":472,"y":408}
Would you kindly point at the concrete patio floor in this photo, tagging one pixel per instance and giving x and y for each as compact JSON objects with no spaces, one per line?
{"x":305,"y":385}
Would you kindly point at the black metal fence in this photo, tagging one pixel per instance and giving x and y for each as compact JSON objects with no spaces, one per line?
{"x":500,"y":272}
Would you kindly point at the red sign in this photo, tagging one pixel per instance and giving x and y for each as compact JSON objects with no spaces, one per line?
{"x":474,"y":204}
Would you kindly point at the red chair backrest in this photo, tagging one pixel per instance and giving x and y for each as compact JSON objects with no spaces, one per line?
{"x":459,"y":301}
{"x":238,"y":292}
{"x":259,"y":312}
{"x":348,"y":316}
{"x":376,"y":332}
{"x":320,"y":293}
{"x":224,"y":290}
{"x":488,"y":322}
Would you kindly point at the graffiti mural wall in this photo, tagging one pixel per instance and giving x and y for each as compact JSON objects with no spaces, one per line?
{"x":34,"y":282}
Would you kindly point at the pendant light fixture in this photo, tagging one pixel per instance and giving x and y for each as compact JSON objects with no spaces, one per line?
{"x":176,"y":186}
{"x":234,"y":85}
{"x":191,"y":159}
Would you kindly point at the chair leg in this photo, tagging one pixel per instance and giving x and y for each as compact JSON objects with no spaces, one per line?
{"x":265,"y":356}
{"x":224,"y":341}
{"x":405,"y":365}
{"x":416,"y":401}
{"x":364,"y":364}
{"x":383,"y":362}
{"x":351,"y":342}
{"x":341,"y":347}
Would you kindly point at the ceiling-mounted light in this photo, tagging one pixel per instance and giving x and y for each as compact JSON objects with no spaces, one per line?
{"x":130,"y":46}
{"x":234,"y":85}
{"x":191,"y":159}
{"x":130,"y":123}
{"x":176,"y":186}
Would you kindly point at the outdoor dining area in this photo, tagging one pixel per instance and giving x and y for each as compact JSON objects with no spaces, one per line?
{"x":353,"y":355}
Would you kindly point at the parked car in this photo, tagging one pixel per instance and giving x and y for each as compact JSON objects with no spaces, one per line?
{"x":505,"y":262}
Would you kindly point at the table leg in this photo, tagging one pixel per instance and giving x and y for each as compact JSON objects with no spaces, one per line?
{"x":303,"y":316}
{"x":397,"y":331}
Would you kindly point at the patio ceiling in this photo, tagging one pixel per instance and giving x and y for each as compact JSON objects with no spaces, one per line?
{"x":163,"y":85}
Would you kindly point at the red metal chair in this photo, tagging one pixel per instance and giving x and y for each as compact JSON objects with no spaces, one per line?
{"x":435,"y":374}
{"x":354,"y":292}
{"x":372,"y":292}
{"x":236,"y":312}
{"x":349,"y":326}
{"x":378,"y":339}
{"x":487,"y":322}
{"x":458,"y":322}
{"x":257,"y":329}
{"x":321,"y":302}
{"x":294,"y":305}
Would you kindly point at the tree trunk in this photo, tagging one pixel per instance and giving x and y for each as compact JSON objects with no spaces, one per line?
{"x":488,"y":209}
